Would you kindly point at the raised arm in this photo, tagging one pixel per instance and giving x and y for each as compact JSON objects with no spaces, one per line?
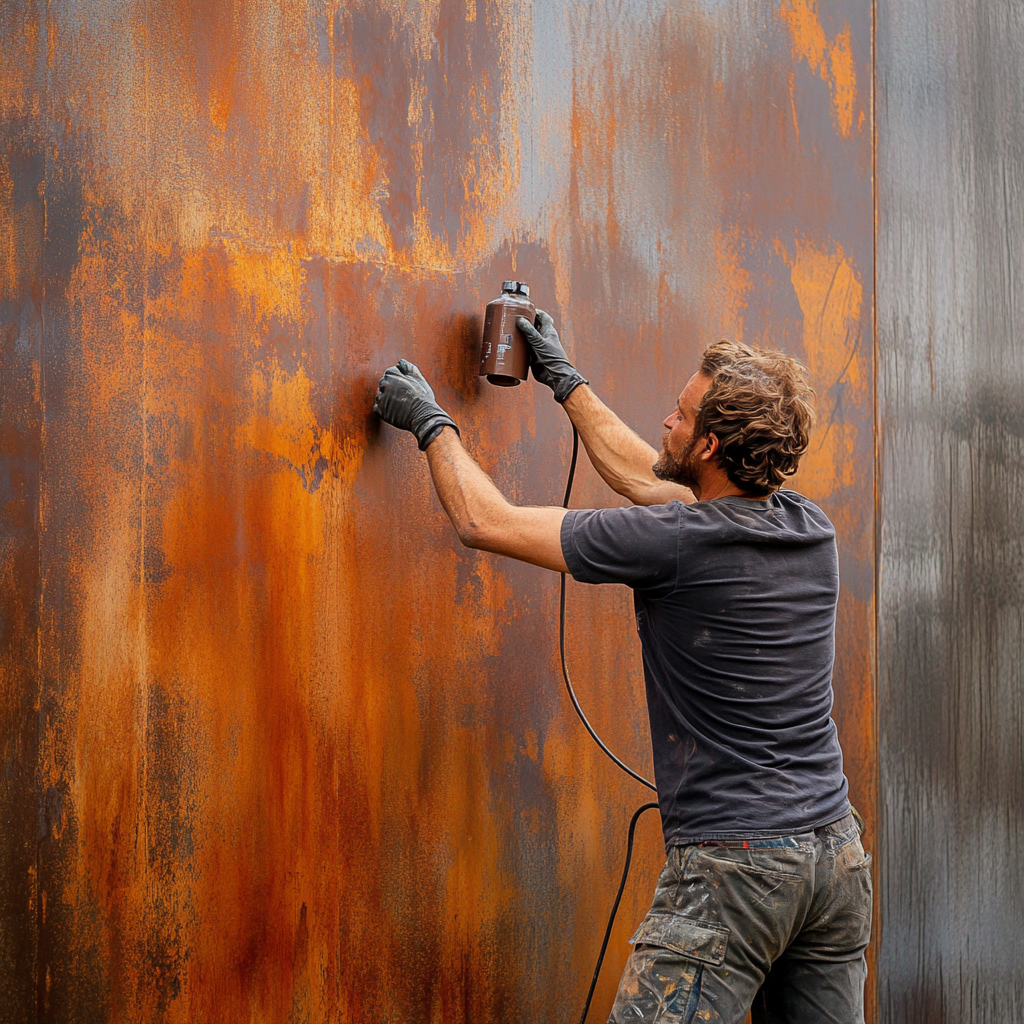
{"x":480,"y":513}
{"x":620,"y":455}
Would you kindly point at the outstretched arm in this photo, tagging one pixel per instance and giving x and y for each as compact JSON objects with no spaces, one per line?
{"x":618,"y":453}
{"x":481,"y":515}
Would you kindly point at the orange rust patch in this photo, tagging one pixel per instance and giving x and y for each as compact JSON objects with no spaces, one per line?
{"x":832,"y":61}
{"x":831,"y":296}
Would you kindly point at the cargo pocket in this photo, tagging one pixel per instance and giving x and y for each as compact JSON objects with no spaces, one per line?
{"x":695,"y":940}
{"x":663,"y":981}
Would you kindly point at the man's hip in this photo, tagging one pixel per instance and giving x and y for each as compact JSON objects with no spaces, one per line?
{"x":781,"y":924}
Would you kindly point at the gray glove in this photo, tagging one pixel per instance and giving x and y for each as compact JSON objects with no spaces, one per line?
{"x":405,"y":400}
{"x":548,"y":360}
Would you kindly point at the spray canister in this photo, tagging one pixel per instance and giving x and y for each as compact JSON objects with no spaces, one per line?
{"x":504,"y":353}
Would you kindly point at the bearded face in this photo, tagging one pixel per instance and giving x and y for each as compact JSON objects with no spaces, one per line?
{"x":682,"y":468}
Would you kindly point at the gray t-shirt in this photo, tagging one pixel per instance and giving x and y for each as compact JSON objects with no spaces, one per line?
{"x":736,"y":609}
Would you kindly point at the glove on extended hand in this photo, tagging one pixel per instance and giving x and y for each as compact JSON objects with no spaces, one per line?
{"x":548,"y":360}
{"x":405,"y":400}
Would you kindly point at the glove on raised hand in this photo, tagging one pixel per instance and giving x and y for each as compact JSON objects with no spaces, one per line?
{"x":548,"y":360}
{"x":405,"y":400}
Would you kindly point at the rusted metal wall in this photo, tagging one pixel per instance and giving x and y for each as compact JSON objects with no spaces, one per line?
{"x":274,"y":746}
{"x":950,"y":101}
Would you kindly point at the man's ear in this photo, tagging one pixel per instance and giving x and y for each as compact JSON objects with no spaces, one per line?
{"x":711,"y":449}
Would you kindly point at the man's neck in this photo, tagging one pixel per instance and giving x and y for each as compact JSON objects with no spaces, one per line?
{"x":723,"y":487}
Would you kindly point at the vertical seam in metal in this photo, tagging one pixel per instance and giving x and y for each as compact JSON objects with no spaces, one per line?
{"x":877,"y":532}
{"x":37,"y":966}
{"x":143,"y":623}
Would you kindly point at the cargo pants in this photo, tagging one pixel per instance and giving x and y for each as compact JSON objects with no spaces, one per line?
{"x":776,"y":926}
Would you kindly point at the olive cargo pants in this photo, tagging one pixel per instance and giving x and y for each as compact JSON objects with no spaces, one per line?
{"x":776,"y":925}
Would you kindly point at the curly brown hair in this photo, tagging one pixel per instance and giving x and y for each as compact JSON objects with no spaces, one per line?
{"x":759,"y":407}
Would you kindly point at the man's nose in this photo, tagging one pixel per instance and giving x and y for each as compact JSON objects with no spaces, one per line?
{"x":667,"y":422}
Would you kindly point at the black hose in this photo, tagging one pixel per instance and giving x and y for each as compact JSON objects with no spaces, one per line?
{"x":615,"y":907}
{"x":561,"y":637}
{"x":597,"y":739}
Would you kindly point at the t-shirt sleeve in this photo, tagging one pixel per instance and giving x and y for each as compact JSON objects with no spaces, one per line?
{"x":636,"y":546}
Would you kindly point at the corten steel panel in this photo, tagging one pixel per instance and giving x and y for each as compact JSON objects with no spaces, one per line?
{"x":951,"y":583}
{"x":276,"y":747}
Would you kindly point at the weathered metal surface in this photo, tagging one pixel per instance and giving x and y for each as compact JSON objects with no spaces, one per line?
{"x":951,"y":597}
{"x":275,"y":747}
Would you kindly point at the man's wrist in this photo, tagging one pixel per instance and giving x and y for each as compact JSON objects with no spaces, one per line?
{"x":567,"y":385}
{"x":431,"y":435}
{"x":575,"y":397}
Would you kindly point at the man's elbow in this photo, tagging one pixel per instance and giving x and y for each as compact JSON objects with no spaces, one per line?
{"x":473,"y":535}
{"x":484,"y":536}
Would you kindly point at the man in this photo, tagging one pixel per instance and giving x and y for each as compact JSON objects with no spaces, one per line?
{"x":765,"y":899}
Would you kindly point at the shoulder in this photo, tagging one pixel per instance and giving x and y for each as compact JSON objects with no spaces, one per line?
{"x":637,"y":546}
{"x":799,"y":507}
{"x":640,"y":532}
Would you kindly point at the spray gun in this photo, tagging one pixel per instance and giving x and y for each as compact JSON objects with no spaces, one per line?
{"x":504,"y":353}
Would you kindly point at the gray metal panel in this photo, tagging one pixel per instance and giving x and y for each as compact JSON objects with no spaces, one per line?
{"x":950,"y":170}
